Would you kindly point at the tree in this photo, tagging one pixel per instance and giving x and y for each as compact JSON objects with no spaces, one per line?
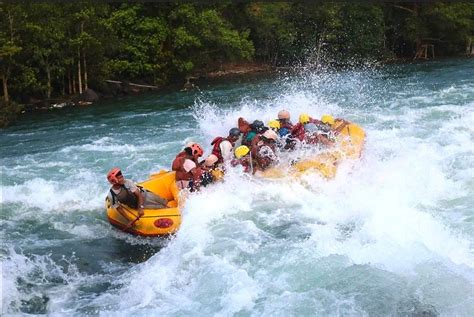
{"x":44,"y":37}
{"x":272,"y":32}
{"x":11,"y":17}
{"x":139,"y":43}
{"x":200,"y":37}
{"x":452,"y":24}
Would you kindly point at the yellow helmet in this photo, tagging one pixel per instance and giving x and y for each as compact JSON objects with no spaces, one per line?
{"x":241,"y":151}
{"x":304,"y":118}
{"x":327,"y":118}
{"x":274,"y":124}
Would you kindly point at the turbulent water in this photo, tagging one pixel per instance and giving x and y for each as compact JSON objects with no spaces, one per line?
{"x":392,"y":235}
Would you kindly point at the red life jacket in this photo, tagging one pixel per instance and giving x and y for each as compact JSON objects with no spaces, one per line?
{"x":298,"y":131}
{"x":288,"y":125}
{"x":216,"y":150}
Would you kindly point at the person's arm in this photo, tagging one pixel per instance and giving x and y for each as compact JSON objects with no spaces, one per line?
{"x":342,"y":124}
{"x":324,"y":140}
{"x":136,"y":191}
{"x":141,"y":202}
{"x":196,"y":172}
{"x":226,"y":150}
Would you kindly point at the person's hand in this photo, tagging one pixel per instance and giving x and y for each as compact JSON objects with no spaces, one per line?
{"x":140,"y":211}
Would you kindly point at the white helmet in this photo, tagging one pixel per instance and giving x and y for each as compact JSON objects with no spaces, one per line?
{"x":270,"y":134}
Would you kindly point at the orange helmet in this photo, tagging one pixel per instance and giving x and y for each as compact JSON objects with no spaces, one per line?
{"x":196,"y":150}
{"x":112,"y":175}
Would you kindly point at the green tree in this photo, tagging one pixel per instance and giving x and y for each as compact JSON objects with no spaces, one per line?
{"x":90,"y":41}
{"x":139,"y":41}
{"x":451,"y":25}
{"x":272,"y":32}
{"x":200,"y":37}
{"x":42,"y":52}
{"x":361,"y":35}
{"x":10,"y":45}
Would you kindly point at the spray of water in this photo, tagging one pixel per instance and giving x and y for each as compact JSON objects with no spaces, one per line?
{"x":389,"y":232}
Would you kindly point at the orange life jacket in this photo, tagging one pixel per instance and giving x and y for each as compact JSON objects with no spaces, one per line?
{"x":178,"y":166}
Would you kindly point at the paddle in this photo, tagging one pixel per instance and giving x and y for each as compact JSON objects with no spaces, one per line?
{"x":130,"y":224}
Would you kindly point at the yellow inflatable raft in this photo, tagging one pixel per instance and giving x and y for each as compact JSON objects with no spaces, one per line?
{"x":154,"y":222}
{"x":349,"y":145}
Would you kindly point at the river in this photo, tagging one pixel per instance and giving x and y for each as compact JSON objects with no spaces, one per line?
{"x":393,"y":235}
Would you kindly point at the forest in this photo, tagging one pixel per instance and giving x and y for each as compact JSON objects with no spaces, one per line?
{"x":59,"y":50}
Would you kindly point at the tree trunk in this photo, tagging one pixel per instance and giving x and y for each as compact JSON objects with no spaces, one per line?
{"x":73,"y":83}
{"x":418,"y":36}
{"x":6,"y":98}
{"x":48,"y":84}
{"x":63,"y":88}
{"x":79,"y":77}
{"x":86,"y":86}
{"x":69,"y":79}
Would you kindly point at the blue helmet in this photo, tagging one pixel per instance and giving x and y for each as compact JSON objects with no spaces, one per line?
{"x":234,"y":132}
{"x":283,"y":131}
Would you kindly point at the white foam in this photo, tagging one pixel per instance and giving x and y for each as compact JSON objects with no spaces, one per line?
{"x":36,"y":271}
{"x":247,"y":245}
{"x":54,"y":196}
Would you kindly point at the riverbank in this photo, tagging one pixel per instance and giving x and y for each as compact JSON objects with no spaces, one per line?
{"x":112,"y":89}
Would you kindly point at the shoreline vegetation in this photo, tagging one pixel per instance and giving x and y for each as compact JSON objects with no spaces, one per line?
{"x":78,"y":53}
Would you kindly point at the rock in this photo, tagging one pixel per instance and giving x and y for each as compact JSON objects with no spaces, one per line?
{"x":89,"y":95}
{"x":188,"y":86}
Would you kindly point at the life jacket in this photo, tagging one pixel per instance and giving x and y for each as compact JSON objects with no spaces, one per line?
{"x":298,"y":131}
{"x":287,"y":125}
{"x":125,"y":196}
{"x":216,"y":150}
{"x":248,"y":137}
{"x":181,"y":173}
{"x":264,"y":160}
{"x":247,"y":133}
{"x":283,"y":132}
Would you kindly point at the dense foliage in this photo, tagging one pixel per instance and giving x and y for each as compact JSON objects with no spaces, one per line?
{"x":50,"y":49}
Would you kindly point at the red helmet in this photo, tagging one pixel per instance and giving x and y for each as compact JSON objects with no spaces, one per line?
{"x":197,"y":150}
{"x":112,"y":175}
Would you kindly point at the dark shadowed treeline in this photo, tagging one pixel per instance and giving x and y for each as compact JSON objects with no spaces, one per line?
{"x":50,"y":50}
